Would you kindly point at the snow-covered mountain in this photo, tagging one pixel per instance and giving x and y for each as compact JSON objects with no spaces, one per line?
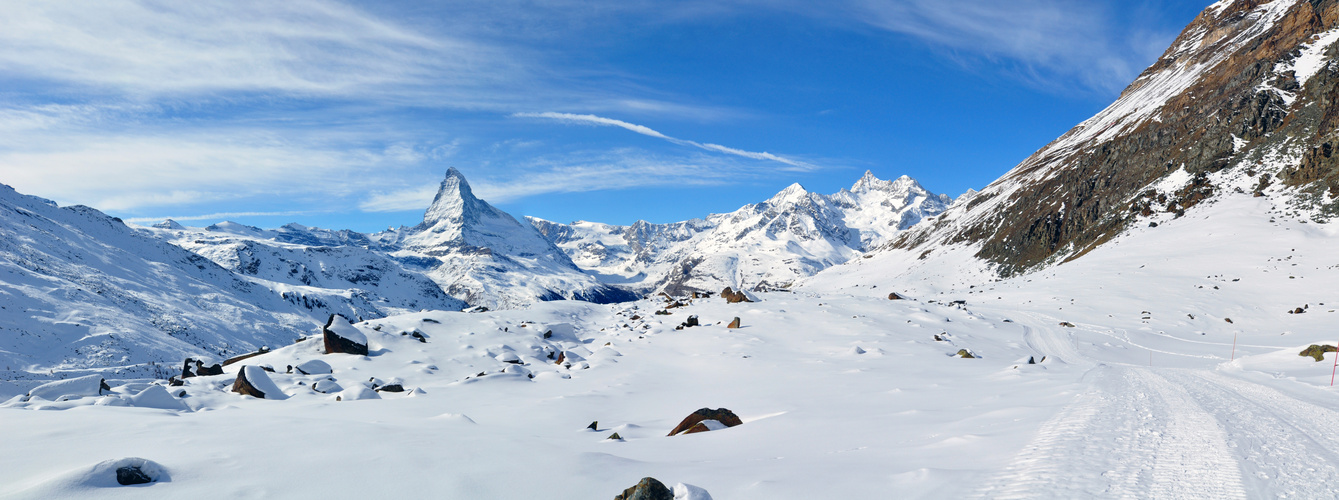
{"x":484,"y":256}
{"x":82,"y":291}
{"x":1241,"y":104}
{"x":765,"y":245}
{"x":319,"y":270}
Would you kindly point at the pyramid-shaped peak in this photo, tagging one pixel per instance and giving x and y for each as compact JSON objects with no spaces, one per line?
{"x":793,"y":193}
{"x":453,"y":201}
{"x":169,"y":224}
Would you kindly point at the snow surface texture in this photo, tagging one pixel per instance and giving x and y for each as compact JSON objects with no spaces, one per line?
{"x":765,"y":245}
{"x":1139,"y":398}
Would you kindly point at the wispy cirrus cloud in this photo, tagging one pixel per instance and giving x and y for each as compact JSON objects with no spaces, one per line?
{"x":647,"y":131}
{"x":1050,"y":43}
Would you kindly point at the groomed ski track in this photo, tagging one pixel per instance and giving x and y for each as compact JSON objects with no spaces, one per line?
{"x":1153,"y":432}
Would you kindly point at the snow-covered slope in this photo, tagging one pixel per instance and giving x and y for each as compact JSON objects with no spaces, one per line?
{"x":1142,"y":388}
{"x":318,"y":270}
{"x":82,"y":292}
{"x":483,"y":256}
{"x":765,"y":245}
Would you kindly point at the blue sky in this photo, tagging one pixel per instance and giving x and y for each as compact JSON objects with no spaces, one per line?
{"x":347,"y":114}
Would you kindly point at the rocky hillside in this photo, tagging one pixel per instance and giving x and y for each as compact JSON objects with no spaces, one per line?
{"x":765,"y":245}
{"x":1242,"y":103}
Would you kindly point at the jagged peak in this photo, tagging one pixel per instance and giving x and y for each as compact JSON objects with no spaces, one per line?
{"x":869,"y":182}
{"x":454,"y":200}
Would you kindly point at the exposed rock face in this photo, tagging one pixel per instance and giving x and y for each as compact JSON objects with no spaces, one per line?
{"x":721,"y":415}
{"x":647,"y":489}
{"x":196,"y":368}
{"x":1244,"y":92}
{"x":340,"y":336}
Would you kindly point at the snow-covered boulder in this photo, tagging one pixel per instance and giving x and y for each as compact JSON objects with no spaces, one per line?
{"x":90,"y":385}
{"x":314,"y":367}
{"x":156,"y":396}
{"x":340,"y":336}
{"x":689,"y":492}
{"x":253,"y":381}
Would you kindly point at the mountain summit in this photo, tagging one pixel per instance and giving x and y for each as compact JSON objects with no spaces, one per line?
{"x":482,"y":255}
{"x":458,"y":220}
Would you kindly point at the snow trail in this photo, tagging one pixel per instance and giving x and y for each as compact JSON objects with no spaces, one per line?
{"x":1134,"y":435}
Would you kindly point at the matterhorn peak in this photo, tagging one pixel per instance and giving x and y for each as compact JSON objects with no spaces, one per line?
{"x":455,"y":201}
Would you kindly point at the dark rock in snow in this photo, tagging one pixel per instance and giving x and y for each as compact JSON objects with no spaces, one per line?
{"x":692,"y":321}
{"x":229,"y":361}
{"x":722,"y":415}
{"x":735,"y":323}
{"x":614,"y":437}
{"x":340,"y":336}
{"x":595,"y":425}
{"x":647,"y":489}
{"x":130,"y":474}
{"x":391,"y":388}
{"x":965,"y":354}
{"x":1067,"y":324}
{"x":1317,"y":351}
{"x":895,"y":296}
{"x":732,"y":297}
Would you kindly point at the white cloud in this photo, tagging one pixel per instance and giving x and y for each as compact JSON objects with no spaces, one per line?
{"x":1074,"y":42}
{"x":135,"y":172}
{"x":647,"y":131}
{"x":140,"y":47}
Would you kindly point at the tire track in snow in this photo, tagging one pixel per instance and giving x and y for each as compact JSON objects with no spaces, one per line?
{"x":1134,"y":436}
{"x":1284,"y":443}
{"x":1194,"y":459}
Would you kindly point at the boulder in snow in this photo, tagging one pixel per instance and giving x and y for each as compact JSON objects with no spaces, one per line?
{"x":735,"y":323}
{"x":733,"y":296}
{"x":647,"y":489}
{"x":340,"y":336}
{"x":721,"y":416}
{"x":156,"y":396}
{"x":314,"y":367}
{"x":1317,"y":351}
{"x":88,"y":385}
{"x":895,"y":296}
{"x":253,"y":381}
{"x":690,"y":492}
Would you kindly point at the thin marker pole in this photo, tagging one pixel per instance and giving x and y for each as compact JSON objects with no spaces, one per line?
{"x":1234,"y":350}
{"x":1336,"y":365}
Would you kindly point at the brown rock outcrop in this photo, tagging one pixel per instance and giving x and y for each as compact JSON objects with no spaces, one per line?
{"x":722,"y":415}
